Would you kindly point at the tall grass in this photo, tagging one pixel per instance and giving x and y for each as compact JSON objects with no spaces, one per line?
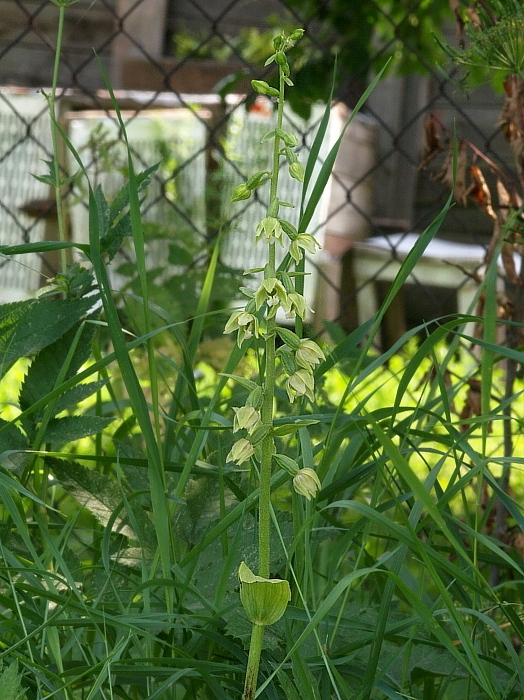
{"x":119,"y":566}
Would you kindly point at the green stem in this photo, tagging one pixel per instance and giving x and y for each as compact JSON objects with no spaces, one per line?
{"x":266,"y":416}
{"x":54,"y":137}
{"x":253,"y":662}
{"x":264,"y":525}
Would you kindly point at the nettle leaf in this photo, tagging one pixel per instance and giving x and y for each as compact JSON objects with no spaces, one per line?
{"x":79,"y":393}
{"x":11,"y":439}
{"x":10,"y":683}
{"x":43,"y":372}
{"x":102,"y":496}
{"x":93,"y":490}
{"x":103,"y":208}
{"x":27,"y":327}
{"x":116,"y":221}
{"x":112,"y":240}
{"x":71,"y":428}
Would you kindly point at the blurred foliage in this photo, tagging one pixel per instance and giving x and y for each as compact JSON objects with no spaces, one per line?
{"x":362,"y":35}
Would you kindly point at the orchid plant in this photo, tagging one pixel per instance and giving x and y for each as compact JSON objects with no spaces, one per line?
{"x":265,"y":599}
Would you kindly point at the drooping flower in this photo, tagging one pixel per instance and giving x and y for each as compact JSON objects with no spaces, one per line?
{"x":308,"y":354}
{"x":272,"y":292}
{"x":306,"y":483}
{"x":271,"y":229}
{"x":295,"y":305}
{"x":304,"y":241}
{"x":245,"y":323}
{"x":241,"y":451}
{"x":301,"y":383}
{"x":246,"y":417}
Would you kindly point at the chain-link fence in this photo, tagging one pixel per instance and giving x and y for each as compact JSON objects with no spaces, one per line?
{"x":181,"y":72}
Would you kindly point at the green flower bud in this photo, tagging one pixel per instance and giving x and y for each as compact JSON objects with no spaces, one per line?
{"x":287,"y":359}
{"x":296,"y":170}
{"x":297,"y":34}
{"x":255,"y":398}
{"x":280,"y":58}
{"x":289,"y":338}
{"x":263,"y":88}
{"x":306,"y":483}
{"x":288,"y":229}
{"x":286,"y":281}
{"x":291,"y":156}
{"x":290,"y":140}
{"x":278,"y":41}
{"x":240,"y":192}
{"x":287,"y":464}
{"x":264,"y":599}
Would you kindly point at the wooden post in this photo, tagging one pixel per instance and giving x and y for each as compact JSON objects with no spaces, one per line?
{"x":142,"y":33}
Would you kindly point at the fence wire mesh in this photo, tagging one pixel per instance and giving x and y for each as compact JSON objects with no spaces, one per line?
{"x":181,"y":72}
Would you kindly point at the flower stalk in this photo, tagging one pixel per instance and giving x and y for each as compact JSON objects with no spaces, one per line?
{"x":265,"y":599}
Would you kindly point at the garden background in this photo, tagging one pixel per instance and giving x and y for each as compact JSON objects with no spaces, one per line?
{"x":377,"y":473}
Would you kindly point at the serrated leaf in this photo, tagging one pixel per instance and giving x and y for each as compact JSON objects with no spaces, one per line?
{"x":27,"y":327}
{"x":112,"y":240}
{"x":12,"y":438}
{"x":103,"y":210}
{"x":94,"y":491}
{"x":43,"y":372}
{"x":71,"y":428}
{"x":10,"y":683}
{"x":78,"y":394}
{"x":104,"y":495}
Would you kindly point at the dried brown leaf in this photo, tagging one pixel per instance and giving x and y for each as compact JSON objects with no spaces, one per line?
{"x":504,"y":197}
{"x":511,"y":120}
{"x":432,"y":143}
{"x":455,"y":9}
{"x":479,"y":191}
{"x":473,"y":15}
{"x":445,"y":174}
{"x":508,"y":261}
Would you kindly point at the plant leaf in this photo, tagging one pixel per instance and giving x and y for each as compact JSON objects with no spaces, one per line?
{"x":70,"y":428}
{"x":27,"y":327}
